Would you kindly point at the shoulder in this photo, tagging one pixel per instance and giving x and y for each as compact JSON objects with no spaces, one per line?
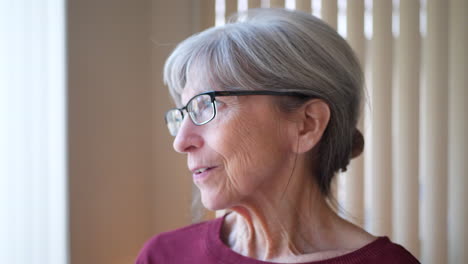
{"x":385,"y":251}
{"x":191,"y":240}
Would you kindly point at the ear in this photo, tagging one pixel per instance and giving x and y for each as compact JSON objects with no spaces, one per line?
{"x":313,"y":120}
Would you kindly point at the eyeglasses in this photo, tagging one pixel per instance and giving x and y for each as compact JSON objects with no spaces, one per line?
{"x":202,"y":107}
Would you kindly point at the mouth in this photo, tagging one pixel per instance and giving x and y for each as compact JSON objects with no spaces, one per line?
{"x":202,"y":173}
{"x":198,"y":171}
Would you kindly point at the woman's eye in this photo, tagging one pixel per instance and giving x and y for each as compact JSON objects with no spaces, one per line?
{"x":207,"y":104}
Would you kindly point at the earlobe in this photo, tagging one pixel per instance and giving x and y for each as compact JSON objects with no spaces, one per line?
{"x":314,"y":117}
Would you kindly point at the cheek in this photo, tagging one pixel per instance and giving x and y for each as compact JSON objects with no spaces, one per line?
{"x":252,"y":151}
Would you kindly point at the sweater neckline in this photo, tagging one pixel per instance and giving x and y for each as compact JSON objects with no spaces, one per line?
{"x":224,"y":254}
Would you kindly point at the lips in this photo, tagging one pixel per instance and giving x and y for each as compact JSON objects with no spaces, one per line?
{"x":201,"y":172}
{"x":198,"y":171}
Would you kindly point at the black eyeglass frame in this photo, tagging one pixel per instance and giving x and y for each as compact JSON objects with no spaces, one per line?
{"x":214,"y":94}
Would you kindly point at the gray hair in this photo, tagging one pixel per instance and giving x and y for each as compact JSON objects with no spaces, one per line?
{"x":280,"y":50}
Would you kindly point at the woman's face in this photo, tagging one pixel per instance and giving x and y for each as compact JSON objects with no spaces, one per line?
{"x":244,"y":152}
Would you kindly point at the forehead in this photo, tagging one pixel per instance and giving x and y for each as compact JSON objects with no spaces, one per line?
{"x":196,"y":83}
{"x":190,"y":91}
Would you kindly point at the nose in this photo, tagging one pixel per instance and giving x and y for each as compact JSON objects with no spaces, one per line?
{"x":188,"y":138}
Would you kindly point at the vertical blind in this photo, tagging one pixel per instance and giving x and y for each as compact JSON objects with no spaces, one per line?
{"x":32,"y":132}
{"x":411,"y":182}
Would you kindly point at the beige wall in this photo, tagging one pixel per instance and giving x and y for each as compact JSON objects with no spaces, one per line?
{"x":171,"y":22}
{"x":126,"y":183}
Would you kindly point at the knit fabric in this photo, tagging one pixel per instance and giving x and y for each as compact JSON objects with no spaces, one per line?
{"x":201,"y":243}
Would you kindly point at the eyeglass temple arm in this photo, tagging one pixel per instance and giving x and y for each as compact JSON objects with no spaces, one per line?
{"x":240,"y":93}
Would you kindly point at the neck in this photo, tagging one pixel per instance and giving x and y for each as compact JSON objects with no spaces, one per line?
{"x":280,"y":224}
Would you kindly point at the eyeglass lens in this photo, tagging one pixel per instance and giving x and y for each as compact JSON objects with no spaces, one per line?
{"x":174,"y":118}
{"x":200,"y":109}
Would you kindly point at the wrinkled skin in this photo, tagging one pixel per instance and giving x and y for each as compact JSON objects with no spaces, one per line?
{"x":263,"y":174}
{"x":246,"y":142}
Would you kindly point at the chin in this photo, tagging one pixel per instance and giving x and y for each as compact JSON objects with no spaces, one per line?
{"x":215,"y":202}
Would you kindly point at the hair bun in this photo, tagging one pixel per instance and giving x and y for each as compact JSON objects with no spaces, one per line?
{"x":358,"y":144}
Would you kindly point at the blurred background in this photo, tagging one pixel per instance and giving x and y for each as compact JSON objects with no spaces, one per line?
{"x":87,"y":170}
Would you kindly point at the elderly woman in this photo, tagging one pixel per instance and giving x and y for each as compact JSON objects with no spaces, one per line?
{"x":268,"y":106}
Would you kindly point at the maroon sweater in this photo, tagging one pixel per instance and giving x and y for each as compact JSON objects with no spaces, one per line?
{"x":201,"y":243}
